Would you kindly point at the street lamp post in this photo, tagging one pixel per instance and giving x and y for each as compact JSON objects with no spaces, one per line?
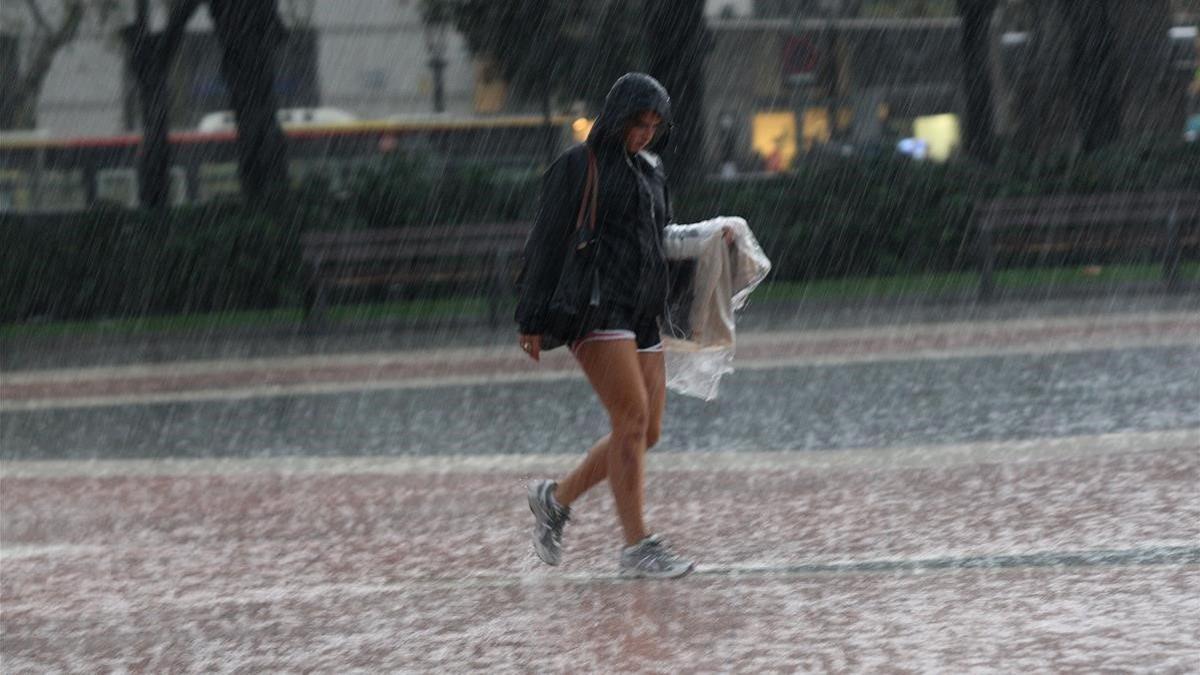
{"x":436,"y":29}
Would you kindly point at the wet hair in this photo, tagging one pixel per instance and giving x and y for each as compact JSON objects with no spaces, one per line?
{"x":631,"y":95}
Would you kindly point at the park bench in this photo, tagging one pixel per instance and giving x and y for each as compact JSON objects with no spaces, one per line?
{"x":1069,"y":226}
{"x":412,"y":257}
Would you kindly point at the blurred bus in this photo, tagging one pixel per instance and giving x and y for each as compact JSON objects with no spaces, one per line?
{"x":43,"y":173}
{"x":224,"y":120}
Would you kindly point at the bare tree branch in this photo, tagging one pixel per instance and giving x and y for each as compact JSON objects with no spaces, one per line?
{"x":181,"y":13}
{"x":47,"y":39}
{"x":39,"y":64}
{"x":38,"y":17}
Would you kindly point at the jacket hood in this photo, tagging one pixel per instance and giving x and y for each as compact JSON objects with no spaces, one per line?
{"x":631,"y":94}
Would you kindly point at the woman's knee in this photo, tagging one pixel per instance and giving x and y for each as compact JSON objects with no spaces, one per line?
{"x":653,"y":431}
{"x":631,"y":426}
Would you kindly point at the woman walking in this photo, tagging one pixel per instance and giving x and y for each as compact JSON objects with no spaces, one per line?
{"x":596,"y":279}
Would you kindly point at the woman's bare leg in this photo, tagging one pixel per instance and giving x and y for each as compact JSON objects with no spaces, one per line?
{"x":590,"y":472}
{"x":594,"y":468}
{"x":613,"y":368}
{"x":654,"y":374}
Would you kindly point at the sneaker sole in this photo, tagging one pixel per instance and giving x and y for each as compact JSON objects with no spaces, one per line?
{"x":626,"y":573}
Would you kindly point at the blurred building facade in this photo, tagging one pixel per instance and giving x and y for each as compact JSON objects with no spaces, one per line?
{"x":783,"y":77}
{"x":778,"y":87}
{"x":369,"y":58}
{"x":789,"y":77}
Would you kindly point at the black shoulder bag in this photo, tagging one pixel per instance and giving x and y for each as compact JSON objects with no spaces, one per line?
{"x":578,"y":287}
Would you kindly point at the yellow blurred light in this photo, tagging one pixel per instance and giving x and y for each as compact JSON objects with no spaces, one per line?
{"x":774,"y":139}
{"x":581,"y":127}
{"x":816,"y":128}
{"x":940,"y":132}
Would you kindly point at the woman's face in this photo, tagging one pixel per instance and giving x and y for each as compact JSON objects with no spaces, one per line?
{"x":641,"y":130}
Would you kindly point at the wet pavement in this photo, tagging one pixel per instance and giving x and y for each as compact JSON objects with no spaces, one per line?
{"x":919,"y":384}
{"x":1082,"y":562}
{"x":99,"y":349}
{"x":986,"y":493}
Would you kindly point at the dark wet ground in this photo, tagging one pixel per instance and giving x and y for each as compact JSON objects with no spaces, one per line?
{"x":864,"y":405}
{"x":59,"y":352}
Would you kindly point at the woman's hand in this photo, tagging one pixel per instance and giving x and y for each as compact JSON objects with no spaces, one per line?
{"x":532,"y":345}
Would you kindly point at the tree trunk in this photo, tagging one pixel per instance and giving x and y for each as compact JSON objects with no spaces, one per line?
{"x":1154,"y":94}
{"x":977,"y":81}
{"x":1094,"y":62}
{"x":677,"y":42}
{"x":18,"y":109}
{"x":149,"y":58}
{"x":154,"y":157}
{"x":1038,"y":99}
{"x":250,"y":34}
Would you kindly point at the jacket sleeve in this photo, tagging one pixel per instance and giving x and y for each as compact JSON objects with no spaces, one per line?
{"x":660,"y":173}
{"x":667,"y":197}
{"x":545,"y":247}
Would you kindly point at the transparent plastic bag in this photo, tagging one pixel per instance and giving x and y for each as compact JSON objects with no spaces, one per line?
{"x":711,"y":282}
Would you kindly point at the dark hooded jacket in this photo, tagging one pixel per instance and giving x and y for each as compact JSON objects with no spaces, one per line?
{"x":572,"y":280}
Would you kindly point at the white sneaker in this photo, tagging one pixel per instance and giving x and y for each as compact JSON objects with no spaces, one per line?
{"x":549,"y":518}
{"x":652,"y":558}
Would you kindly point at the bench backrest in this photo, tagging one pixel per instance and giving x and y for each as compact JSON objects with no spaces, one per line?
{"x":414,"y":242}
{"x":1064,"y":210}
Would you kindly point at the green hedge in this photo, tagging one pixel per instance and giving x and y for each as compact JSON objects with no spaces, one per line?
{"x":405,"y":192}
{"x":110,"y":263}
{"x":846,"y":217}
{"x":1135,"y":166}
{"x":832,"y":217}
{"x":859,"y":216}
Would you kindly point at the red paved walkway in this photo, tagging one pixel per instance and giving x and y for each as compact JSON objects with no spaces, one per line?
{"x":262,"y":570}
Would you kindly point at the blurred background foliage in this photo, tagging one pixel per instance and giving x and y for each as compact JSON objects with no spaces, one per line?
{"x":1092,"y":103}
{"x":832,"y":217}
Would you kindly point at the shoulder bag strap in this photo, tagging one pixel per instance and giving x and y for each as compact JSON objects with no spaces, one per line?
{"x":587,"y":205}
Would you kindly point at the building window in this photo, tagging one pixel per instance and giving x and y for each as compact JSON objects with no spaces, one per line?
{"x":773,"y":137}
